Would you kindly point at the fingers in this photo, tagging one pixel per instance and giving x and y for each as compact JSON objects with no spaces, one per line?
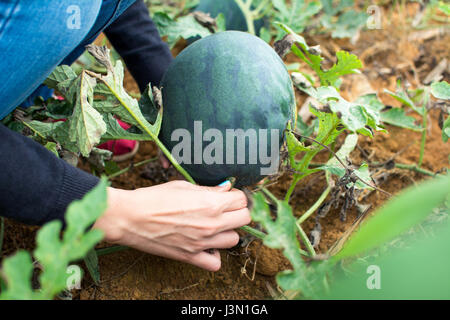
{"x":227,"y":200}
{"x":223,"y":187}
{"x":223,"y":240}
{"x":207,"y":261}
{"x":233,"y":200}
{"x":201,"y":259}
{"x":234,"y":219}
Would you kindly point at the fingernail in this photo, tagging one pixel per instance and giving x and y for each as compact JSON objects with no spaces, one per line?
{"x":223,"y":184}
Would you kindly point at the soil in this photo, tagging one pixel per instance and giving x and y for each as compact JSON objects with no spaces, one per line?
{"x":387,"y":54}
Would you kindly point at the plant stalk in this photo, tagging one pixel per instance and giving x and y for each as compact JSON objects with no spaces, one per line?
{"x":118,"y":173}
{"x":424,"y":137}
{"x":315,"y":206}
{"x":153,"y":136}
{"x":415,"y":168}
{"x":254,"y":232}
{"x":248,"y":14}
{"x":305,"y":240}
{"x":109,"y":250}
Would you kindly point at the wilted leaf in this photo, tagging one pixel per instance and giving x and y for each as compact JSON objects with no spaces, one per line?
{"x":117,"y":101}
{"x":61,"y":73}
{"x":86,"y":124}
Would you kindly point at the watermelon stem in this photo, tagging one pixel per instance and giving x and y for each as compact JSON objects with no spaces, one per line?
{"x":252,"y":15}
{"x":254,"y":232}
{"x":317,"y":204}
{"x":248,"y":14}
{"x":155,"y":138}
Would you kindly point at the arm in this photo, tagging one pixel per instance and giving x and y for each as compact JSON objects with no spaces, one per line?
{"x":136,"y":39}
{"x":35,"y":185}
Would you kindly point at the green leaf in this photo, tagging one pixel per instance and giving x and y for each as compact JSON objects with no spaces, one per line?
{"x":371,"y":100}
{"x":327,"y":131}
{"x":294,"y":147}
{"x":441,"y":90}
{"x":397,"y":216}
{"x":335,"y":167}
{"x":91,"y":261}
{"x":304,"y":129}
{"x":55,"y":254}
{"x":86,"y":124}
{"x":265,"y":34}
{"x":116,"y":100}
{"x":343,"y":153}
{"x":297,"y":14}
{"x":355,"y":116}
{"x":281,"y":235}
{"x":347,"y":63}
{"x":394,"y":116}
{"x":363,"y":173}
{"x":420,"y":271}
{"x":111,"y":167}
{"x":332,"y":8}
{"x":348,"y":24}
{"x":402,"y":96}
{"x":446,"y":130}
{"x":297,"y":38}
{"x":398,"y":117}
{"x":115,"y":132}
{"x":57,"y":131}
{"x":52,"y":147}
{"x":17,"y":271}
{"x":221,"y":22}
{"x":340,"y":18}
{"x":444,"y":7}
{"x":61,"y":73}
{"x":184,"y":27}
{"x":148,"y":105}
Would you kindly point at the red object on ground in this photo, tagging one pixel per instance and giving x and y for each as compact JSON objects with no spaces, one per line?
{"x":119,"y":147}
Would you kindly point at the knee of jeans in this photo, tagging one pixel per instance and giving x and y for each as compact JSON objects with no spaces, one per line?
{"x":80,"y":17}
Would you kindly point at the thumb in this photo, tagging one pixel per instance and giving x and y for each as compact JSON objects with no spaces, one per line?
{"x":223,"y":187}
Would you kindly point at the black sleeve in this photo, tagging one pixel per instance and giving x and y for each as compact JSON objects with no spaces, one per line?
{"x":35,"y":185}
{"x":136,"y":39}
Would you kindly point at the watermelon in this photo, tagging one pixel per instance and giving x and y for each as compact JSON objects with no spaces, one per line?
{"x":225,"y":82}
{"x":234,"y":18}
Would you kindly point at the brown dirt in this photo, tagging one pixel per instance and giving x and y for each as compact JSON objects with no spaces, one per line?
{"x":387,"y":54}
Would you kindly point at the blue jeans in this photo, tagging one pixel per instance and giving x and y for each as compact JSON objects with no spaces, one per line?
{"x":38,"y":35}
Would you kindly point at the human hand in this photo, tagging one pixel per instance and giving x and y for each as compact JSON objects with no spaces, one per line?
{"x":177,"y":220}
